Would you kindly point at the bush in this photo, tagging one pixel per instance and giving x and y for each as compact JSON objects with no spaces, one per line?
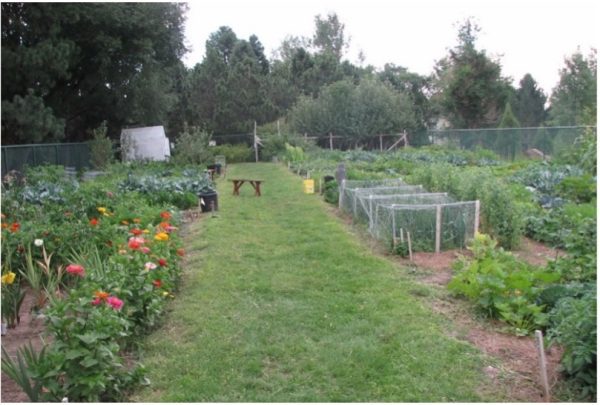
{"x":233,"y":153}
{"x":101,"y":148}
{"x":192,"y":147}
{"x":581,"y":189}
{"x":331,"y":192}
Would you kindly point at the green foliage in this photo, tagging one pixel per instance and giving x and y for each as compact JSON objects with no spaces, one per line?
{"x":294,"y":154}
{"x":101,"y":152}
{"x":25,"y":370}
{"x":574,"y":327}
{"x":192,"y":147}
{"x":359,"y":111}
{"x":580,"y":189}
{"x":87,"y":62}
{"x":530,"y":103}
{"x":331,"y":192}
{"x":573,"y":100}
{"x":500,"y":216}
{"x":502,"y":286}
{"x":233,"y":153}
{"x":26,"y":119}
{"x":471,"y":88}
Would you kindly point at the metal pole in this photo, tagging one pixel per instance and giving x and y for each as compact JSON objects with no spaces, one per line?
{"x":255,"y":144}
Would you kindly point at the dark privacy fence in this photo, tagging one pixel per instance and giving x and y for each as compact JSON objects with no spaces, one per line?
{"x":15,"y":157}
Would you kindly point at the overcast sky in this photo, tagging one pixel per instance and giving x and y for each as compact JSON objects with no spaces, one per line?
{"x":527,"y":36}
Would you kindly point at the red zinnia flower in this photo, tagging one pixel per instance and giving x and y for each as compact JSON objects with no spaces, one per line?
{"x":165,"y":215}
{"x":162,"y":262}
{"x":75,"y":269}
{"x":157,"y":283}
{"x":136,"y":231}
{"x":15,"y":227}
{"x":94,"y":221}
{"x":114,"y":302}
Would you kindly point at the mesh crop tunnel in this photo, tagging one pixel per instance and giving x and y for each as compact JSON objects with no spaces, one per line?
{"x":393,"y":210}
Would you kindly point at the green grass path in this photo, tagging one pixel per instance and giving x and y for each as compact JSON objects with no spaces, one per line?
{"x":281,"y":304}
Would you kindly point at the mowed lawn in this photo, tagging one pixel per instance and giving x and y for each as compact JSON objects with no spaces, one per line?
{"x":280,"y":303}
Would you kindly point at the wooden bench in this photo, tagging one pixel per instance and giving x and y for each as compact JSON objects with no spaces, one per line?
{"x":237,"y":183}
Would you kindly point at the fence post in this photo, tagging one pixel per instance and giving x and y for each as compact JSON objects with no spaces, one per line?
{"x":438,"y":228}
{"x":381,"y":143}
{"x":330,"y":141}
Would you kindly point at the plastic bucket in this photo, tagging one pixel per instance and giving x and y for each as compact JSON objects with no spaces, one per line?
{"x":209,"y":201}
{"x":309,"y":186}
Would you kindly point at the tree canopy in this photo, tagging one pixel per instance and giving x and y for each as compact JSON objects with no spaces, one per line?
{"x":73,"y":65}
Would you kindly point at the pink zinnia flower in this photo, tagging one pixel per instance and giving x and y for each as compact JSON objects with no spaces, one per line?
{"x":75,"y":269}
{"x":150,"y":266}
{"x":96,"y":301}
{"x":114,"y":302}
{"x":145,"y":249}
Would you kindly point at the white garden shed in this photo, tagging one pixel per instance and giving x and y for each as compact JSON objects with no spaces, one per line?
{"x":144,"y":143}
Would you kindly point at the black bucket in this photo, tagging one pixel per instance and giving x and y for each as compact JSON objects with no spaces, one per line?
{"x":211,"y":201}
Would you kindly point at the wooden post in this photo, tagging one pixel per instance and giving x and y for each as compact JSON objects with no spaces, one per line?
{"x":401,"y":235}
{"x":477,"y":210}
{"x":278,"y":130}
{"x":542,"y":357}
{"x":255,"y":144}
{"x":405,"y":139}
{"x":409,"y":246}
{"x":330,"y":141}
{"x":438,"y":228}
{"x":305,"y":136}
{"x":381,"y":143}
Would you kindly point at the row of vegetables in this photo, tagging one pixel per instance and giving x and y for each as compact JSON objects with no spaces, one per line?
{"x":553,"y":202}
{"x":100,"y":260}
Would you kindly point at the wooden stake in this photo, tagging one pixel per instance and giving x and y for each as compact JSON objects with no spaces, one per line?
{"x":330,"y":141}
{"x":401,"y":235}
{"x":542,"y":357}
{"x":278,"y":131}
{"x":438,"y":228}
{"x":381,"y":143}
{"x":409,"y":246}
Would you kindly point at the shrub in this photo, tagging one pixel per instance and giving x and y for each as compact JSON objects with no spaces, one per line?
{"x":331,"y":192}
{"x":192,"y":147}
{"x":581,"y":189}
{"x":101,"y":148}
{"x":233,"y":153}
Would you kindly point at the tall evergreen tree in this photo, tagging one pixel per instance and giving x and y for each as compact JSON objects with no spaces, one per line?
{"x":73,"y":65}
{"x":470,"y":89}
{"x":530,"y":103}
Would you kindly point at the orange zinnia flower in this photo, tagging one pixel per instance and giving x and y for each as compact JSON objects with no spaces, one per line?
{"x":15,"y":227}
{"x":165,"y":215}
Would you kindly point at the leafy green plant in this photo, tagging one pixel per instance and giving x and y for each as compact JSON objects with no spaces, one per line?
{"x":331,"y":192}
{"x":580,"y":189}
{"x":574,"y":328}
{"x":24,"y":370}
{"x":502,"y":286}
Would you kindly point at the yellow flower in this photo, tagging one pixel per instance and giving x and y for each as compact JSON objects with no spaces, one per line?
{"x":161,"y":236}
{"x":101,"y":210}
{"x":145,"y":231}
{"x":8,"y":278}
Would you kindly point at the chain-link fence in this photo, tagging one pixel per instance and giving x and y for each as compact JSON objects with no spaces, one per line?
{"x":15,"y":157}
{"x":512,"y":142}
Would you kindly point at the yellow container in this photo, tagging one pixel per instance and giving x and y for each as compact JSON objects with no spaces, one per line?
{"x":309,"y":186}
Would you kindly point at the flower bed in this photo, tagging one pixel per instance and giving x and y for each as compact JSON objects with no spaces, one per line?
{"x":102,"y":263}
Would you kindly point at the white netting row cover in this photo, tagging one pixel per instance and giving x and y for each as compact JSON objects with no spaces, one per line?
{"x":392,"y":209}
